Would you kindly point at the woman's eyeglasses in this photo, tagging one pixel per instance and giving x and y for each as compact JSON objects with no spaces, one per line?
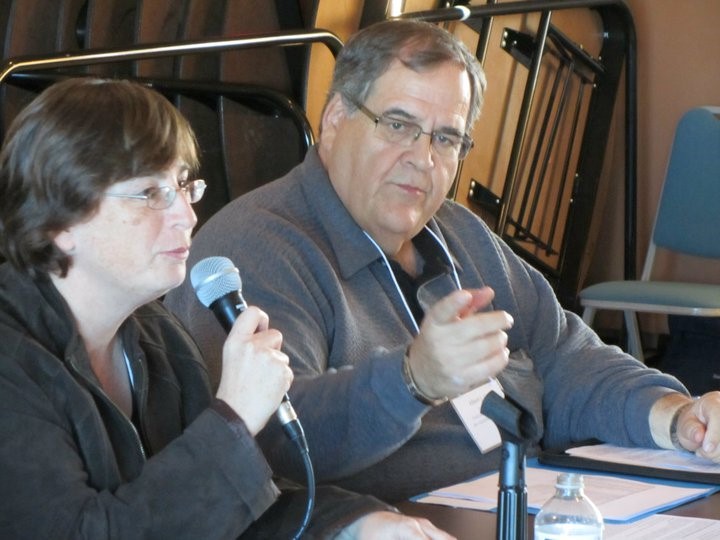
{"x":160,"y":198}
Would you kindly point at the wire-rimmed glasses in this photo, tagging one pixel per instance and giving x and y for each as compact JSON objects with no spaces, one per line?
{"x":399,"y":131}
{"x":160,"y":198}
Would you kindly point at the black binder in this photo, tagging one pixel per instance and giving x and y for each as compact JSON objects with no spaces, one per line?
{"x":560,"y":458}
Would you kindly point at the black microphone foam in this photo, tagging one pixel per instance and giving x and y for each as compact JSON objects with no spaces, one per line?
{"x":218,"y":286}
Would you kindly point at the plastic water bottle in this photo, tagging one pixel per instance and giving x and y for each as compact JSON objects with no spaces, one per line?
{"x":569,"y":514}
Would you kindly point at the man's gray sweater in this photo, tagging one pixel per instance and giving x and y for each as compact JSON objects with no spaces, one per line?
{"x":307,"y":263}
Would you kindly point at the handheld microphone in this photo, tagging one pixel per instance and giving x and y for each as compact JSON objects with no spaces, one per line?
{"x":218,"y":286}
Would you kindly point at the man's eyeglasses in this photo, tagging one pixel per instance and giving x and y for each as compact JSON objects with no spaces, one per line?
{"x":404,"y":133}
{"x":160,"y":198}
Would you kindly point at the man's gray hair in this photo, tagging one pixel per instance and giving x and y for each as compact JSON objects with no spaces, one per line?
{"x":418,"y":45}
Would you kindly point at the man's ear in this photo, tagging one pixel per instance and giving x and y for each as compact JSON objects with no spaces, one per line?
{"x":333,"y":115}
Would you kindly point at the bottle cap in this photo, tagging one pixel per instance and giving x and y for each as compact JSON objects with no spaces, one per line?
{"x":569,"y":480}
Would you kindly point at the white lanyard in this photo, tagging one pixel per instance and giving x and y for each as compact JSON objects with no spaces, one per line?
{"x":445,"y":250}
{"x":129,"y":370}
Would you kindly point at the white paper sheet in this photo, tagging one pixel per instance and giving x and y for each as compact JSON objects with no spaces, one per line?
{"x":662,"y":527}
{"x":661,"y":459}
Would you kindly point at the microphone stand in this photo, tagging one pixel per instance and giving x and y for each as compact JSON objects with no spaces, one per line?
{"x":517,"y":429}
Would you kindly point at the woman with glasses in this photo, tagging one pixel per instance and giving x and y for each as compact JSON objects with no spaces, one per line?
{"x":109,"y":428}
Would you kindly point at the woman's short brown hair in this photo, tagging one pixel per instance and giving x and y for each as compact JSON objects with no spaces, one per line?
{"x":65,"y":149}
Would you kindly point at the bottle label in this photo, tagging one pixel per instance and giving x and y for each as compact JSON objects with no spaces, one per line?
{"x":567,"y":536}
{"x":566,"y":532}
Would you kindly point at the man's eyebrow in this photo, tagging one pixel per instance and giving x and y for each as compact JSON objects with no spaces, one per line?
{"x":449,"y":131}
{"x":402,"y":114}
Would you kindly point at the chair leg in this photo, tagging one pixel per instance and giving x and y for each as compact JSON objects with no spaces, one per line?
{"x":588,"y":315}
{"x":634,"y":343}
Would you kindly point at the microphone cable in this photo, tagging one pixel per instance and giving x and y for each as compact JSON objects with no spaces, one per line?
{"x":302,"y":446}
{"x":294,"y":431}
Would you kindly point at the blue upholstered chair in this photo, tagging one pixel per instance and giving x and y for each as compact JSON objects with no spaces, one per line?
{"x":687,"y":221}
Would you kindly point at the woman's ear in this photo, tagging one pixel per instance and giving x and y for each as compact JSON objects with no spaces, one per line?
{"x":65,"y":241}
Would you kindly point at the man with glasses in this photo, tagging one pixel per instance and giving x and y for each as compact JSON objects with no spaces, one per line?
{"x":393,"y":300}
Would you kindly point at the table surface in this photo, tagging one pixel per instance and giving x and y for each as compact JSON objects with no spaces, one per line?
{"x":477,"y":525}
